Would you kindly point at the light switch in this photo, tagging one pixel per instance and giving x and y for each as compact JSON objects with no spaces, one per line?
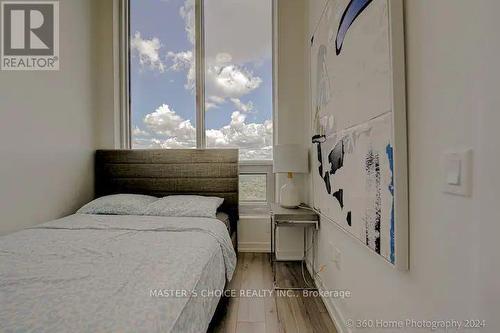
{"x":457,"y":178}
{"x":453,"y":169}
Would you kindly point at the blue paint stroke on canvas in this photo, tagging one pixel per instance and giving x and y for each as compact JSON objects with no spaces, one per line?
{"x":353,"y":10}
{"x":390,"y":156}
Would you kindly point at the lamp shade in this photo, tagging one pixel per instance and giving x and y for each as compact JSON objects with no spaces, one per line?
{"x":290,"y":158}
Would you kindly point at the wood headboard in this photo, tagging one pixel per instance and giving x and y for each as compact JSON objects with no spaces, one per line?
{"x":162,"y":172}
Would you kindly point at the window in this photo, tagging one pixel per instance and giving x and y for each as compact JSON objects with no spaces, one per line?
{"x":256,"y":183}
{"x":238,"y":76}
{"x":200,"y":74}
{"x":253,"y":187}
{"x":162,"y":74}
{"x":233,"y":86}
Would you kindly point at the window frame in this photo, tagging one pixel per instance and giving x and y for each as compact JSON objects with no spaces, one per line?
{"x":124,"y":100}
{"x":121,"y":50}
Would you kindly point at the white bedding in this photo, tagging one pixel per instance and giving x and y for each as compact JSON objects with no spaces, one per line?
{"x":95,"y":273}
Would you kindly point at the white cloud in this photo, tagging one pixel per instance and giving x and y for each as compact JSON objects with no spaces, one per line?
{"x":264,"y":153}
{"x":210,"y":105}
{"x":223,"y":58}
{"x":165,"y":122}
{"x":180,"y":60}
{"x":246,"y":108}
{"x":169,"y":130}
{"x":145,"y":143}
{"x":137,"y":132}
{"x":253,"y":139}
{"x":238,"y":133}
{"x":187,"y":14}
{"x":222,"y":81}
{"x":230,"y":81}
{"x":213,"y":102}
{"x":148,"y":51}
{"x":216,"y":99}
{"x":184,"y":60}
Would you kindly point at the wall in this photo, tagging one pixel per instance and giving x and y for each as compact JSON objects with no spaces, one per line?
{"x":291,"y":77}
{"x":47,"y":129}
{"x":482,"y":100}
{"x":291,"y":85}
{"x":452,"y":102}
{"x":254,"y":232}
{"x":106,"y":75}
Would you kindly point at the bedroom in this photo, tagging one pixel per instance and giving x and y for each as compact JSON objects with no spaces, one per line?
{"x":126,"y":108}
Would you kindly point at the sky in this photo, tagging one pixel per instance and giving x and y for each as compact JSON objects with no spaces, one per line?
{"x":238,"y":87}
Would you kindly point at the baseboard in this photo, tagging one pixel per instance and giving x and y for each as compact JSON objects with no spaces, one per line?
{"x":260,"y":247}
{"x":331,"y":307}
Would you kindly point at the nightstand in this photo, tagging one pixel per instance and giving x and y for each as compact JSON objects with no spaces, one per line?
{"x":300,"y":217}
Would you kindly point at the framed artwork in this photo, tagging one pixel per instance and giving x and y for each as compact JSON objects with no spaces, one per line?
{"x":359,"y":123}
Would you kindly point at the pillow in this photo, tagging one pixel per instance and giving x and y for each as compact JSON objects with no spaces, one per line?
{"x":118,"y":204}
{"x":185,"y":205}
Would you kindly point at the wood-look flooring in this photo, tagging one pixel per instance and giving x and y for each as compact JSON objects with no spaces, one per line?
{"x":272,"y":313}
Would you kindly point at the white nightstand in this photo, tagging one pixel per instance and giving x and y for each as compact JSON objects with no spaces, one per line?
{"x":300,"y":217}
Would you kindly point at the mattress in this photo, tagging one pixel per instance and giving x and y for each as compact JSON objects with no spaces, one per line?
{"x":89,"y":273}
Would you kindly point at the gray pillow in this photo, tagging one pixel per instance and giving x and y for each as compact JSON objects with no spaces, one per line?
{"x":185,"y":205}
{"x":118,"y":204}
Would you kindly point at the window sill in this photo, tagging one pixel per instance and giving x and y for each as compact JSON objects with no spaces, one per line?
{"x":256,"y":162}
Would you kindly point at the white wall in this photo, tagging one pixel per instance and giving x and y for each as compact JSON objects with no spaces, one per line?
{"x":292,"y":77}
{"x":292,"y":83}
{"x":452,"y":49}
{"x":254,"y":232}
{"x":47,"y":129}
{"x":107,"y":66}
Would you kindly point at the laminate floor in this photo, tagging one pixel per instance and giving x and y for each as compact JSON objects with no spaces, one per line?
{"x":272,"y":313}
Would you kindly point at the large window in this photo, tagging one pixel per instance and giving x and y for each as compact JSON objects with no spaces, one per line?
{"x":201,"y":75}
{"x":227,"y":103}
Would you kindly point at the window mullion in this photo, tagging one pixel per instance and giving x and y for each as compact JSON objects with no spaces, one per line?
{"x":123,"y":126}
{"x":200,"y":75}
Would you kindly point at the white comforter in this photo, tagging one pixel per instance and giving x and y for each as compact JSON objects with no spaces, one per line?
{"x":90,"y":273}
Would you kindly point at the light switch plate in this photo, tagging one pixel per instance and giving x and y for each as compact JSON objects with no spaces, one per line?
{"x":453,"y":169}
{"x":457,"y":172}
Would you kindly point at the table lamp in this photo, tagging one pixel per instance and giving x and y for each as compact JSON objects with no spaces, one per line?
{"x":290,"y":159}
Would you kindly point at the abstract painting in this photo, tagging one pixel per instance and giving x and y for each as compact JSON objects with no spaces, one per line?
{"x":359,"y":123}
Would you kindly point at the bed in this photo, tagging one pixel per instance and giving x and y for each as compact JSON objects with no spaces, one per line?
{"x":109,"y":273}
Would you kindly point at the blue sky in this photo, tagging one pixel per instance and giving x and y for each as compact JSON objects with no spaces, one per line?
{"x":151,"y":88}
{"x":238,"y":79}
